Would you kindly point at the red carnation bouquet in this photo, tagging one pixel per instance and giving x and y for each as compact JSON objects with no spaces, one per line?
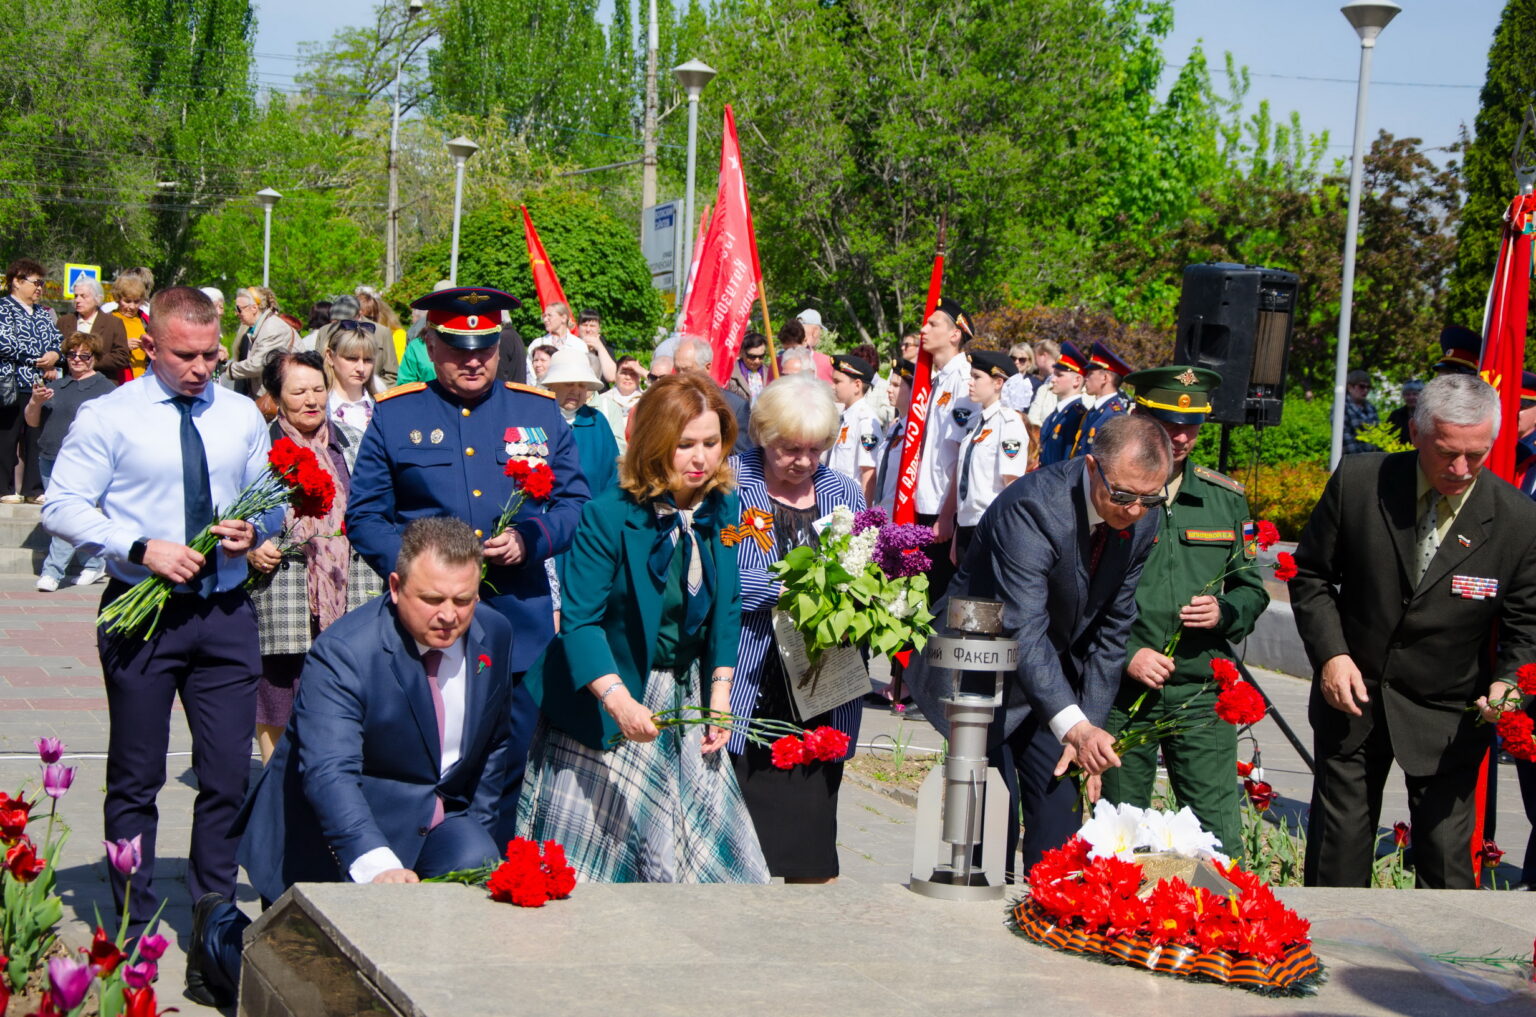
{"x":293,"y":477}
{"x":1516,"y":728}
{"x":790,"y":744}
{"x":1238,"y":703}
{"x":532,"y":874}
{"x":530,"y":479}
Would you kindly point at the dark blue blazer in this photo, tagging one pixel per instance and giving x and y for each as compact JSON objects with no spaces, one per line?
{"x":426,"y":453}
{"x":357,"y":768}
{"x":1058,"y":432}
{"x":1030,"y":551}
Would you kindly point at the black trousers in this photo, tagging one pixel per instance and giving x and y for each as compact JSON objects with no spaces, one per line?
{"x":1047,"y":805}
{"x":1346,"y":809}
{"x":18,"y":444}
{"x":206,"y":652}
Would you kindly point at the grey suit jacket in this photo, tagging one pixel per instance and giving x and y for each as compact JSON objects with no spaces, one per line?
{"x":1031,"y":551}
{"x":1423,"y":648}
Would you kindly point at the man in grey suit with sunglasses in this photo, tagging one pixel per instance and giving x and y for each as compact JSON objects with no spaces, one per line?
{"x":1062,"y":548}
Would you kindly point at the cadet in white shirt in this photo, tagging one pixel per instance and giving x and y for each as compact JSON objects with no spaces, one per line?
{"x":996,"y":450}
{"x":949,"y":417}
{"x":853,"y":450}
{"x":889,"y":456}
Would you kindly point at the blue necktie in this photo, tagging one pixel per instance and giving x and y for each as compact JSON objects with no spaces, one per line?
{"x":197,"y":490}
{"x":965,"y":467}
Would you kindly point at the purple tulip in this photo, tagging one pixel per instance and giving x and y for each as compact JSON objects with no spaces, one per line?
{"x":140,"y":975}
{"x":153,"y":946}
{"x":70,"y":980}
{"x":50,"y":749}
{"x":57,"y":778}
{"x":125,"y":855}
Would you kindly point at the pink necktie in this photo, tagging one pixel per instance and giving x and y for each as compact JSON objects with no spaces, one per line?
{"x":431,"y":660}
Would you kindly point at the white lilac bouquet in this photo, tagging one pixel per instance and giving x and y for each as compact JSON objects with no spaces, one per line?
{"x":863,"y":584}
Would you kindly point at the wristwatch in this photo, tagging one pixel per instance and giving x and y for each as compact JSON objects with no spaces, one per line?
{"x":136,"y":552}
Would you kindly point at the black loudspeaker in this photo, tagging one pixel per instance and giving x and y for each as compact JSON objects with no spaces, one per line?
{"x":1236,"y":320}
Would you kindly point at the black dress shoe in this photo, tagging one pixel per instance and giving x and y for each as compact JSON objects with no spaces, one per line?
{"x":203,"y":986}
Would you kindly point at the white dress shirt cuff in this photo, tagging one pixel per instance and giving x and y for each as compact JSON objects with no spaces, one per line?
{"x":1063,"y":722}
{"x":370,"y":863}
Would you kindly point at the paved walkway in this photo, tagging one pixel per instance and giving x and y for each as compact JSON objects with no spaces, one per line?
{"x":50,"y":684}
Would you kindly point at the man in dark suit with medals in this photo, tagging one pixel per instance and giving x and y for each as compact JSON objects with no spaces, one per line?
{"x":1405,"y":566}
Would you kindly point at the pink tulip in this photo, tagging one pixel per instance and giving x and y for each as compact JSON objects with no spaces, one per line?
{"x":153,"y":946}
{"x":70,"y":980}
{"x":50,"y":749}
{"x":57,"y":778}
{"x":126,"y":855}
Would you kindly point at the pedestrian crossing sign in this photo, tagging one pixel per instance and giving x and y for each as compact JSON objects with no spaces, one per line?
{"x":74,"y":273}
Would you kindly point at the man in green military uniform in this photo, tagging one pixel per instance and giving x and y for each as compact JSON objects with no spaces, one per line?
{"x":1201,"y":539}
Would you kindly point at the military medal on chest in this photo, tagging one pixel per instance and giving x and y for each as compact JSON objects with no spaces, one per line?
{"x":527,"y":443}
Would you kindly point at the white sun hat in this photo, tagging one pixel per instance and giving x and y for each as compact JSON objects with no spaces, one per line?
{"x":570,"y":364}
{"x":809,"y":316}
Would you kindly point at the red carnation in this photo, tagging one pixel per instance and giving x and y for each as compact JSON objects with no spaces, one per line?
{"x":1402,"y":834}
{"x":1515,"y":728}
{"x":1525,"y":678}
{"x":1225,"y":672}
{"x":1240,"y":704}
{"x":540,"y":482}
{"x":517,"y":469}
{"x":23,"y":863}
{"x":826,"y":744}
{"x":518,"y":883}
{"x":560,"y":878}
{"x":286,"y":455}
{"x":788,"y":752}
{"x":1244,"y":769}
{"x":1260,"y":794}
{"x":484,"y":663}
{"x":1285,"y":567}
{"x":1268,"y":535}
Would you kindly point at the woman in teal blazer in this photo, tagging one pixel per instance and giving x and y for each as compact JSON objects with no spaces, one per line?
{"x":650,"y":620}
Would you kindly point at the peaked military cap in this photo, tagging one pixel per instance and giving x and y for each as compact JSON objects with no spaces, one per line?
{"x":467,"y":317}
{"x":1178,"y":394}
{"x":957,"y":315}
{"x":1527,"y":388}
{"x":1461,"y":350}
{"x":1104,"y":357}
{"x":1071,"y":359}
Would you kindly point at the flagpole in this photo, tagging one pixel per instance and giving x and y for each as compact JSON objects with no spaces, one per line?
{"x":773,"y":354}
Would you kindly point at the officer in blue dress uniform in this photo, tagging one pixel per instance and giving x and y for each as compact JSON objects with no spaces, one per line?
{"x":441,"y":448}
{"x":1101,"y":380}
{"x":1461,"y":350}
{"x":1059,"y":431}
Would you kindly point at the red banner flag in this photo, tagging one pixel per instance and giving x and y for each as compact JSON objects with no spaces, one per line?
{"x":1504,"y":346}
{"x":726,"y":275}
{"x":546,"y":285}
{"x":905,"y":510}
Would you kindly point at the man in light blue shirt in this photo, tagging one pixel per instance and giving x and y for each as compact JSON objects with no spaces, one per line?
{"x":137,"y":477}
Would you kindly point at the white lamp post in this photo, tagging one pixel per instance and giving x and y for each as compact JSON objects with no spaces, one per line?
{"x":1368,"y":17}
{"x":693,"y":76}
{"x":392,"y":230}
{"x":266,"y":198}
{"x":461,"y":149}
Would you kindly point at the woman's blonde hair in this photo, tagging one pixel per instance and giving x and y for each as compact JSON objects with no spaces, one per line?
{"x":263,"y":298}
{"x":797,"y":408}
{"x":129,"y":286}
{"x":349,"y":344}
{"x":656,"y":426}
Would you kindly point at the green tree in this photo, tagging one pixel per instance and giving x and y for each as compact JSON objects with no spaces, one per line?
{"x":595,"y":255}
{"x":1509,"y":89}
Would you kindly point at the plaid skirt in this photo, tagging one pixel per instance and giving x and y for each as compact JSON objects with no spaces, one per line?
{"x":657,"y":812}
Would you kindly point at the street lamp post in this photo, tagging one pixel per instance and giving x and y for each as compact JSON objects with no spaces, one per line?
{"x":267,"y":197}
{"x":693,"y":76}
{"x":461,"y":148}
{"x":1368,"y":17}
{"x":392,"y":230}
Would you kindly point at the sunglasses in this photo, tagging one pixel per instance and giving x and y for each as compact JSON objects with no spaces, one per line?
{"x":353,"y":325}
{"x":753,"y":356}
{"x":1120,"y":497}
{"x":80,"y":355}
{"x":29,"y":279}
{"x":1021,"y":360}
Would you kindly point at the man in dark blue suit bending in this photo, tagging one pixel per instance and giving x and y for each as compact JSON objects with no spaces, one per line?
{"x":393,"y":762}
{"x":1063,"y":549}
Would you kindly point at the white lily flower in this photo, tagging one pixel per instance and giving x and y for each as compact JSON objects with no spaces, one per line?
{"x":1187,"y":838}
{"x":1112,"y":831}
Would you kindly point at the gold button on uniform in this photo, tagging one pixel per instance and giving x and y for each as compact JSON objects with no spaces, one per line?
{"x":479,"y":533}
{"x":469,"y":451}
{"x":465,"y":411}
{"x":476,"y":493}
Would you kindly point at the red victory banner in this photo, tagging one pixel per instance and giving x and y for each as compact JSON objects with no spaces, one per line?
{"x":727,"y":275}
{"x":905,"y":510}
{"x":546,"y":285}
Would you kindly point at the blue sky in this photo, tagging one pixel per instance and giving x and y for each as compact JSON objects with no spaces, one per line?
{"x":1427,"y":69}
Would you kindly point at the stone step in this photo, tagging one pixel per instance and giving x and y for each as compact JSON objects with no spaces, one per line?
{"x":20,"y":561}
{"x":21,"y":511}
{"x":22,"y":533}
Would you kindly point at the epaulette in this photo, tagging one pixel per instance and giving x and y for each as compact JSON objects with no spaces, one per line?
{"x":410,"y":386}
{"x":530,"y":389}
{"x":1220,"y":480}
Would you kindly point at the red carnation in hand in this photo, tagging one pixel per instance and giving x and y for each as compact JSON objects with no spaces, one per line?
{"x":1285,"y":567}
{"x":1402,"y":834}
{"x":517,"y":469}
{"x":1525,"y":678}
{"x":286,"y":455}
{"x":788,"y":752}
{"x":1225,"y":672}
{"x":826,"y":744}
{"x":1515,"y":728}
{"x":1240,"y":704}
{"x":540,"y":482}
{"x":1268,"y":535}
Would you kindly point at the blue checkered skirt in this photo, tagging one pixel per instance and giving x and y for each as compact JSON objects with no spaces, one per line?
{"x":658,"y":812}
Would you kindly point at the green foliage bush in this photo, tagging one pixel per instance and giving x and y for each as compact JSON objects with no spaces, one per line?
{"x":599,"y":264}
{"x":1304,"y":436}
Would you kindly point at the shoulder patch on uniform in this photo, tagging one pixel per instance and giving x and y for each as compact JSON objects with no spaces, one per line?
{"x":530,"y":389}
{"x":1220,"y":480}
{"x":408,"y":387}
